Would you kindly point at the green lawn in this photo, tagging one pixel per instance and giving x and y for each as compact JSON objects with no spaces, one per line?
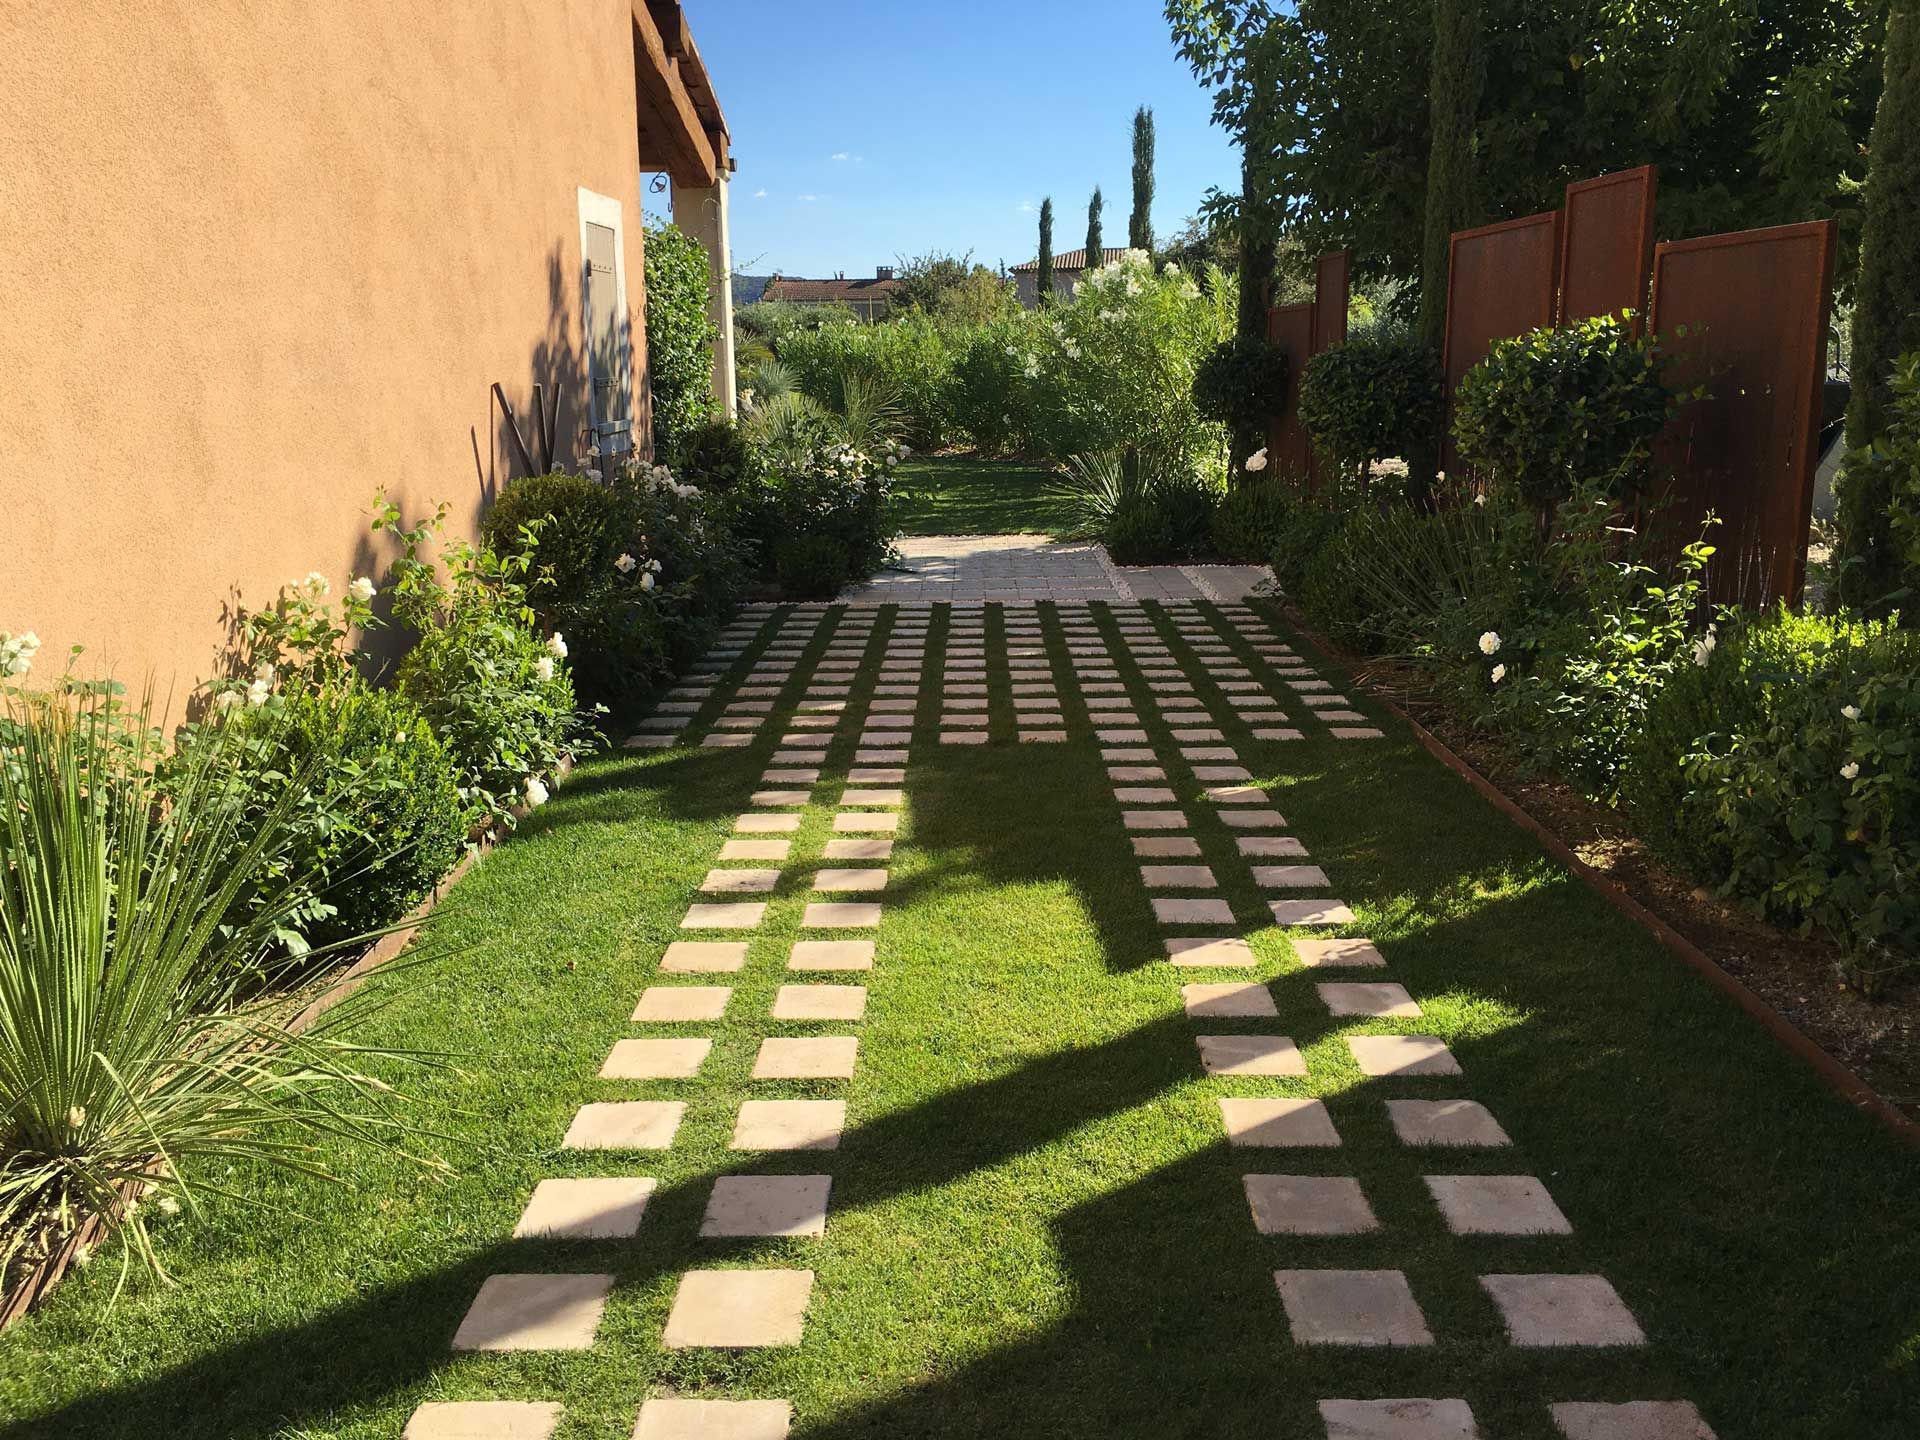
{"x":1036,"y":1228}
{"x":958,"y":495}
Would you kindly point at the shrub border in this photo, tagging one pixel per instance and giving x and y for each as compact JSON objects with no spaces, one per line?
{"x":1837,"y":1076}
{"x":43,"y":1279}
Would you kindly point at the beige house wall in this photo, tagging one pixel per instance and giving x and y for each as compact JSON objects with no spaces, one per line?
{"x":258,"y":260}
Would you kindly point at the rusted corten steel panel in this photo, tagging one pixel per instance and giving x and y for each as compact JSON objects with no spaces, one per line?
{"x":1332,"y":281}
{"x":1606,"y":244}
{"x":1290,"y":326}
{"x":1502,"y":280}
{"x":1755,"y":308}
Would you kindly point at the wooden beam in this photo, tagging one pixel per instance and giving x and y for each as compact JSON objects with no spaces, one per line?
{"x":667,"y":116}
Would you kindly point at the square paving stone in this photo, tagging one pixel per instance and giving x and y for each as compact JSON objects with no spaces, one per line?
{"x":779,"y":798}
{"x":1192,"y":912}
{"x":1383,"y":999}
{"x":585,"y":1209}
{"x":1208,"y":752}
{"x":1351,"y":1307}
{"x":878,"y":774}
{"x":755,"y":849}
{"x":738,"y":1309}
{"x":1355,"y":732}
{"x":1178,"y":877}
{"x":1310,"y":912}
{"x":1260,"y":819}
{"x":1445,"y":1123}
{"x":1153,"y":819}
{"x":1142,"y":795}
{"x":791,"y":776}
{"x":1222,"y":772}
{"x":534,"y":1312}
{"x":483,"y":1420}
{"x":625,"y":1125}
{"x":1555,"y":1310}
{"x":858,"y":850}
{"x":1250,"y":1055}
{"x":1281,"y":732}
{"x":685,"y":957}
{"x":1633,"y":1420}
{"x":668,"y":1003}
{"x":1268,"y":1123}
{"x":1209,"y":951}
{"x":1308,"y":1205}
{"x":1402,"y":1055}
{"x":1136,"y":772}
{"x":806,"y":1057}
{"x":839,"y":881}
{"x":1043,"y":737}
{"x":789,"y":1125}
{"x":1211,"y":1001}
{"x":739,"y":882}
{"x":1169,"y":847}
{"x":766,"y":824}
{"x":655,"y":1059}
{"x":1398,"y":1420}
{"x":767,"y":1205}
{"x":820,"y":1002}
{"x":873,"y":797}
{"x":831,"y":955}
{"x":840,"y":915}
{"x":1290,"y":877}
{"x":1269,"y":846}
{"x":739,"y":915}
{"x":1497,"y":1205}
{"x":1236,"y":795}
{"x":853,"y":824}
{"x":1337,"y":954}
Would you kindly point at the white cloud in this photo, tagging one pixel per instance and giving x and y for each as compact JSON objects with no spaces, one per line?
{"x":1025,"y":207}
{"x":809,"y":198}
{"x":841,"y":155}
{"x":761,"y":193}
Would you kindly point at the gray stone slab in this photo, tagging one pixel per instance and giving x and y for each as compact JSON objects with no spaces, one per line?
{"x":625,"y":1125}
{"x":1250,"y":1055}
{"x":1351,"y":1307}
{"x":1631,"y":1420}
{"x":806,"y":1057}
{"x":1445,"y":1123}
{"x":607,"y":1208}
{"x":1311,"y":912}
{"x":1308,"y":1205}
{"x":1337,"y":954}
{"x":791,"y":1205}
{"x":1496,"y":1205}
{"x":1192,"y":912}
{"x":1277,"y":1123}
{"x":1551,"y":1311}
{"x":668,"y":1004}
{"x":820,"y":1002}
{"x":1211,"y":1001}
{"x":1380,"y":1055}
{"x":1209,"y":952}
{"x":789,"y":1125}
{"x":676,"y":1059}
{"x":1379,"y":999}
{"x":738,"y":1309}
{"x":483,"y":1420}
{"x":1398,"y":1420}
{"x":534,"y":1312}
{"x":694,"y":957}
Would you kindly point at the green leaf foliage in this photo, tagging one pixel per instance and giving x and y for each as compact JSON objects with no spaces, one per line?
{"x":680,"y":334}
{"x":1376,"y":395}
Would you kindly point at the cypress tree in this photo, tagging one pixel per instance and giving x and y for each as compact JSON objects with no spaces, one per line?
{"x":1096,"y":252}
{"x":1886,"y":314}
{"x":1457,"y":74}
{"x":1043,"y":276}
{"x":1140,"y":222}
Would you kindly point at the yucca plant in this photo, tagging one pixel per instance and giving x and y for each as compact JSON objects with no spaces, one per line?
{"x":1096,"y":487}
{"x":870,"y":415}
{"x":140,"y":1033}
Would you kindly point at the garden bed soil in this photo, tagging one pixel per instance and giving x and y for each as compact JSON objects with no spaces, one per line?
{"x":1877,"y":1039}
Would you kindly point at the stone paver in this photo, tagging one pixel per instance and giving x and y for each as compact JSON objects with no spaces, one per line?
{"x":1209,"y":953}
{"x":1206,"y":1001}
{"x":1310,"y":912}
{"x":820,"y":1002}
{"x":1351,"y":1307}
{"x":1445,"y":1123}
{"x":1378,"y":999}
{"x":840,"y":915}
{"x":1336,"y":954}
{"x":1398,"y":1420}
{"x":1278,"y":1123}
{"x":1560,"y":1310}
{"x":1379,"y":1055}
{"x":742,"y":1205}
{"x":736,"y":915}
{"x":655,"y":1059}
{"x":738,"y":1309}
{"x":1631,"y":1420}
{"x":1496,"y":1205}
{"x":585,"y":1209}
{"x":1250,"y":1055}
{"x":789,"y":1125}
{"x":483,"y":1420}
{"x":806,"y":1057}
{"x":625,"y":1125}
{"x":687,"y":957}
{"x":1308,"y":1205}
{"x":1192,"y":912}
{"x":831,"y":955}
{"x":534,"y":1312}
{"x":670,"y":1003}
{"x":674,"y":1418}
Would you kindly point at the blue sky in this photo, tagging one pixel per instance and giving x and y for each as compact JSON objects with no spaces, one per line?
{"x":868,"y":129}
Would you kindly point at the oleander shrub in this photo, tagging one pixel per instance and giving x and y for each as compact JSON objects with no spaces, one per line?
{"x":907,"y":358}
{"x":1377,"y":395}
{"x":1563,"y":407}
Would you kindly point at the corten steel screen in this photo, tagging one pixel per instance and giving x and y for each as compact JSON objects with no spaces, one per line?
{"x":1287,"y":449}
{"x":1502,"y":280}
{"x":1606,"y":244}
{"x":1754,"y":305}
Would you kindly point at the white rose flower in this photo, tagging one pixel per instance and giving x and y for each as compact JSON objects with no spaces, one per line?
{"x":536,"y":792}
{"x":361,"y":589}
{"x":543,"y":669}
{"x":557,"y":645}
{"x":1850,"y":770}
{"x":1852,"y":712}
{"x":625,"y":563}
{"x":1257,"y":461}
{"x":1489,"y":643}
{"x":654,"y":566}
{"x":317,"y":583}
{"x":258,"y":693}
{"x":646,"y":581}
{"x":1499,"y":673}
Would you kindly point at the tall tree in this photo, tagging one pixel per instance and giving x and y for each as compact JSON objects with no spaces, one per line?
{"x":1456,"y":75}
{"x":1140,"y":221}
{"x":1886,"y":315}
{"x":1096,"y":251}
{"x":1043,"y":269}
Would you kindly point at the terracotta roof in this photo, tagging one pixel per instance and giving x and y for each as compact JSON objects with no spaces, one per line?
{"x":787,"y":287}
{"x":1076,"y":259}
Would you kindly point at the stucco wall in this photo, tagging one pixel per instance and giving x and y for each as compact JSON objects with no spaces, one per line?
{"x":259,"y":259}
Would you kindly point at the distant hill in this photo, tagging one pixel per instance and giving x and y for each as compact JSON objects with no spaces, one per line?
{"x":747,"y":289}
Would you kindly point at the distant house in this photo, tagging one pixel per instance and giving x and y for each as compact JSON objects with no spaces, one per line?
{"x":1067,"y":269}
{"x":868,"y":299}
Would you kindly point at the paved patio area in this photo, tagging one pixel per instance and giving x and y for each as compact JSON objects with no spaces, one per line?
{"x":1035,"y":567}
